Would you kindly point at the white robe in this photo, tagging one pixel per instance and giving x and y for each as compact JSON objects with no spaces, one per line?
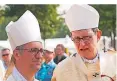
{"x":16,"y":76}
{"x":74,"y":69}
{"x":2,"y":70}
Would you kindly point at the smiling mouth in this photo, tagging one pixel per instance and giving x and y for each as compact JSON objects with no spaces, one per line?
{"x":84,"y":49}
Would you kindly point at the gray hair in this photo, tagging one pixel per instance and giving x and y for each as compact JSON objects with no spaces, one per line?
{"x":20,"y":48}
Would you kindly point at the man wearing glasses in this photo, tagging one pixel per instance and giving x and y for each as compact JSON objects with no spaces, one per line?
{"x":88,"y":64}
{"x":25,"y":39}
{"x":46,"y":71}
{"x":6,"y":57}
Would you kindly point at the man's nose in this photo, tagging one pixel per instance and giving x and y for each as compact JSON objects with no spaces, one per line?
{"x":82,"y":43}
{"x":38,"y":55}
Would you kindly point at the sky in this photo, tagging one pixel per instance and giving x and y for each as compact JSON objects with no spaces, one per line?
{"x":63,"y":7}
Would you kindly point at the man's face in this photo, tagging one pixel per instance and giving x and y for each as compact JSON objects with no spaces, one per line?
{"x":6,"y":55}
{"x":86,"y":42}
{"x":59,"y":50}
{"x":48,"y":55}
{"x":31,"y":56}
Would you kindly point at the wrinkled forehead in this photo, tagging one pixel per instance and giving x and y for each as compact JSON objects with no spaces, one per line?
{"x":82,"y":32}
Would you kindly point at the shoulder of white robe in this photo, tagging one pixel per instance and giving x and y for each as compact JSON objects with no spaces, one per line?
{"x":108,"y":63}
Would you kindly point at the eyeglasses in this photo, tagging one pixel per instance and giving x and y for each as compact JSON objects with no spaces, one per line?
{"x":34,"y":50}
{"x":5,"y":55}
{"x":84,"y":38}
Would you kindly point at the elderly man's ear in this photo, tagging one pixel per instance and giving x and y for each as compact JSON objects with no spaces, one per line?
{"x":99,"y":33}
{"x":16,"y":54}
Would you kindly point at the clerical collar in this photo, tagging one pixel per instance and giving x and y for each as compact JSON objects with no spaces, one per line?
{"x":17,"y":75}
{"x":91,"y":61}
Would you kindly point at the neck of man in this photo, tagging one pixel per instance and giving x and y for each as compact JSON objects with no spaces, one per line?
{"x":26,"y":73}
{"x":7,"y":63}
{"x":94,"y":59}
{"x":91,"y":58}
{"x":60,"y":55}
{"x":92,"y":55}
{"x":47,"y":61}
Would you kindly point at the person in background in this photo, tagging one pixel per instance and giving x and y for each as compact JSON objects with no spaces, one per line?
{"x":6,"y":57}
{"x":47,"y":68}
{"x":59,"y":53}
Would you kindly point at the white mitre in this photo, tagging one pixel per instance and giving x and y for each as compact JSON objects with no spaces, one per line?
{"x":26,"y":29}
{"x":80,"y":17}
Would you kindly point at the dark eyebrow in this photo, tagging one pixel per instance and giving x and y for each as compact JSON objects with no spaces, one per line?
{"x":83,"y":36}
{"x":35,"y":48}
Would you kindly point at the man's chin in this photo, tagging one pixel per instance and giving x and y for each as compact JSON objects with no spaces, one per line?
{"x":37,"y":68}
{"x":84,"y":54}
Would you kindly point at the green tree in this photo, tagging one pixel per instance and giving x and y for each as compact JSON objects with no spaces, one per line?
{"x":108,"y":21}
{"x":62,"y":31}
{"x":5,"y":21}
{"x":46,"y":14}
{"x":107,"y":18}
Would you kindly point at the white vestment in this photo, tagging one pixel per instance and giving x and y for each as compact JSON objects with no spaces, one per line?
{"x":2,"y":70}
{"x":74,"y":69}
{"x":16,"y":76}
